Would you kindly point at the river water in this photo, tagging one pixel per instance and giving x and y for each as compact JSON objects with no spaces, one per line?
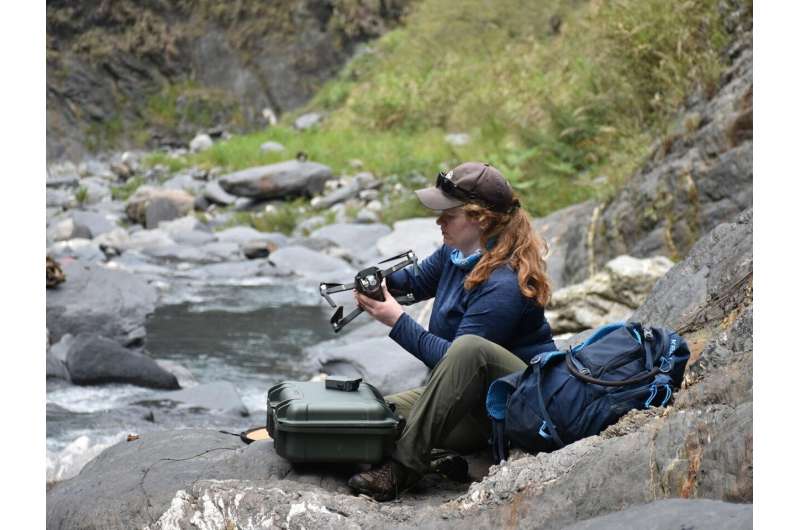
{"x":249,"y":335}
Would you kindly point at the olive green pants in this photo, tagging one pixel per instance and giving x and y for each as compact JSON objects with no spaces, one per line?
{"x":449,"y":412}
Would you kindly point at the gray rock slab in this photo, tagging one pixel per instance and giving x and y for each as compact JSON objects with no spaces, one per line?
{"x":277,"y":180}
{"x":245,"y":234}
{"x":131,"y":484}
{"x":306,"y":262}
{"x":95,"y":360}
{"x":219,"y":396}
{"x":380,"y":361}
{"x":215,"y":194}
{"x":60,"y":198}
{"x":236,"y":271}
{"x":80,"y":249}
{"x":92,"y":223}
{"x":718,"y":270}
{"x":422,"y":235}
{"x":668,"y":514}
{"x":359,"y":240}
{"x":561,"y":230}
{"x":99,"y":300}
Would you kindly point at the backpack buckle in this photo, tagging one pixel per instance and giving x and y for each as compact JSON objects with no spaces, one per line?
{"x":648,"y":334}
{"x":667,"y":364}
{"x":536,"y":360}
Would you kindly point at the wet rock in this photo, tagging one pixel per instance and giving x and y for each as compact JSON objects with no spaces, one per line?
{"x":284,"y":179}
{"x":422,"y":235}
{"x":219,"y":396}
{"x":105,"y":302}
{"x":609,"y":296}
{"x":96,"y":360}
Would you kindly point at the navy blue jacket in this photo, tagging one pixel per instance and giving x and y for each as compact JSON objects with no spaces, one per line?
{"x":495,"y":310}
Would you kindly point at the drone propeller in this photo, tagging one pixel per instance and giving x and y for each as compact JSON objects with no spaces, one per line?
{"x":401,"y":255}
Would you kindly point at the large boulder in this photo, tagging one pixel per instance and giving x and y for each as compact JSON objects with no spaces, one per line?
{"x":422,"y":235}
{"x":674,"y":513}
{"x":380,"y":361}
{"x":96,"y":360}
{"x":289,"y":178}
{"x":149,"y":206}
{"x":358,"y":240}
{"x":102,"y":301}
{"x":306,"y":262}
{"x":610,"y":295}
{"x":92,"y":223}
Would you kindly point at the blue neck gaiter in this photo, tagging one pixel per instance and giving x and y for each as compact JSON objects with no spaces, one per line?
{"x":467,"y":263}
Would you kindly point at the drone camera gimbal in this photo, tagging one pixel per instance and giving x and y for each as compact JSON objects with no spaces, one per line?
{"x":367,"y":282}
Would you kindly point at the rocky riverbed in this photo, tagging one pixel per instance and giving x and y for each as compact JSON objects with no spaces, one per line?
{"x":171,"y":323}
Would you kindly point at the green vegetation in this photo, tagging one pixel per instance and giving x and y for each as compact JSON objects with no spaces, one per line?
{"x":283,"y":218}
{"x":124,"y":191}
{"x":82,"y":195}
{"x":552,"y":108}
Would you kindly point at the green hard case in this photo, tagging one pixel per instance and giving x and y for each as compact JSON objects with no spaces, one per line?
{"x":311,"y":423}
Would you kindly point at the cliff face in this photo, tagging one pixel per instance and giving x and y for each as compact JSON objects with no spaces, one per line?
{"x":154,"y":72}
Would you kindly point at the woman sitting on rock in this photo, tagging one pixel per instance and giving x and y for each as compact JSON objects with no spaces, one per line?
{"x":488,"y":320}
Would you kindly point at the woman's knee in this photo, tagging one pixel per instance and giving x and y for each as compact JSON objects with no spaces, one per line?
{"x":469,"y":346}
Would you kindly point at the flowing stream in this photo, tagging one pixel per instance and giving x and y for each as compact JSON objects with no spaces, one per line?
{"x":249,"y":335}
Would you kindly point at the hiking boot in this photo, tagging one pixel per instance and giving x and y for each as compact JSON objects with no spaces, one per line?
{"x":452,"y":466}
{"x":384,"y":482}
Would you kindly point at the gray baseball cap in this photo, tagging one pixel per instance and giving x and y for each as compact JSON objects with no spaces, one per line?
{"x":470,"y":182}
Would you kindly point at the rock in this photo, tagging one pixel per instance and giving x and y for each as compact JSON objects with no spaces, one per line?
{"x":60,"y":198}
{"x":368,"y":195}
{"x":149,"y":206}
{"x":96,"y":190}
{"x":308,"y":120}
{"x":699,"y":514}
{"x":562,"y":231}
{"x":422,"y":235}
{"x":56,"y":366}
{"x":63,"y":174}
{"x":609,"y":296}
{"x":80,"y":249}
{"x":236,"y":271}
{"x":245,"y":234}
{"x":96,"y":360}
{"x":277,"y":180}
{"x":66,"y":229}
{"x":181,"y":373}
{"x":132,"y":483}
{"x":305,"y":227}
{"x":148,"y":240}
{"x":188,"y":230}
{"x":357,"y":239}
{"x":457,"y":139}
{"x":366,"y":216}
{"x":220,"y":396}
{"x":186,"y":182}
{"x":272,"y":147}
{"x":214,"y":193}
{"x":201,"y":142}
{"x":258,"y":249}
{"x":91,"y":224}
{"x":715,"y":276}
{"x":342,"y":194}
{"x":105,"y":302}
{"x":306,"y":262}
{"x":380,"y":361}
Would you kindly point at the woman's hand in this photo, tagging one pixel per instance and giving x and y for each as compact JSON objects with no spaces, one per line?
{"x":385,"y":312}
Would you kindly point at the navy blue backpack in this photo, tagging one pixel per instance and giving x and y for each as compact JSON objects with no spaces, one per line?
{"x":563,"y":396}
